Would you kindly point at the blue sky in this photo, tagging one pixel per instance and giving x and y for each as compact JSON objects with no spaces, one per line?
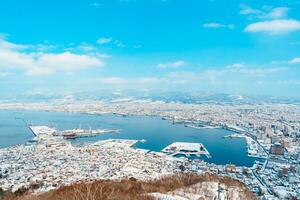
{"x":245,"y":47}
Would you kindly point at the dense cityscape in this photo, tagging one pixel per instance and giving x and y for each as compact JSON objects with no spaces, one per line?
{"x":272,"y":132}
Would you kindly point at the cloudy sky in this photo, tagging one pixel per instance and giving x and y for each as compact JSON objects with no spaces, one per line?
{"x":246,"y":47}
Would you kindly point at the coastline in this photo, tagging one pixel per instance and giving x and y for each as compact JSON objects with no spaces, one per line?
{"x":217,"y":158}
{"x":204,"y":125}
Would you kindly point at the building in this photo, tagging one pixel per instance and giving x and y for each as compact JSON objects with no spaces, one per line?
{"x":277,"y":149}
{"x":230,"y":168}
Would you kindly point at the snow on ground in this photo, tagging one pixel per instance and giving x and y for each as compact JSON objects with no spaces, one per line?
{"x":204,"y":190}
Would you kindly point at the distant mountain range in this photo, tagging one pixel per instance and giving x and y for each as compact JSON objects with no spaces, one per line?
{"x":154,"y":95}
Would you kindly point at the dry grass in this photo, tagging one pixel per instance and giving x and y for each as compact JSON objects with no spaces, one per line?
{"x":130,"y":189}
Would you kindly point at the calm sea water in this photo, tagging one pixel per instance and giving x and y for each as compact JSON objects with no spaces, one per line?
{"x":157,"y":132}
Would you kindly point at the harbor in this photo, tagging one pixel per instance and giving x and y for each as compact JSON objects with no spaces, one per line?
{"x":132,"y":127}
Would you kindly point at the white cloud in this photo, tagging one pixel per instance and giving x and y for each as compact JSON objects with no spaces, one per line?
{"x":294,"y":61}
{"x":185,"y":74}
{"x":11,"y":46}
{"x":218,"y":25}
{"x":263,"y":71}
{"x":265,"y":12}
{"x":277,"y":13}
{"x":119,"y":43}
{"x":243,"y":70}
{"x":172,"y":79}
{"x":181,"y":78}
{"x":43,"y":47}
{"x":66,"y":61}
{"x":229,"y":75}
{"x":274,"y":27}
{"x":247,"y":10}
{"x":236,"y":66}
{"x":104,"y":40}
{"x":226,"y":76}
{"x":131,"y":82}
{"x":176,"y":64}
{"x":111,"y":80}
{"x":86,"y":47}
{"x":12,"y":56}
{"x":101,"y":55}
{"x":149,"y":80}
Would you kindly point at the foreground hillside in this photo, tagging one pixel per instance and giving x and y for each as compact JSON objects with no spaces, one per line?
{"x":177,"y":187}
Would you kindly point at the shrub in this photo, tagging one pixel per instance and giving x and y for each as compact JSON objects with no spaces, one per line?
{"x":132,"y":189}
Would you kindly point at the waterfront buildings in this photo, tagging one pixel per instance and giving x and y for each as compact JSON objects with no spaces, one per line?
{"x":272,"y":132}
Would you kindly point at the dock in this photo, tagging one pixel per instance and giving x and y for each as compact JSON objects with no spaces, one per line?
{"x":80,"y":133}
{"x":186,"y":149}
{"x":41,"y":130}
{"x":201,"y":127}
{"x":111,"y":142}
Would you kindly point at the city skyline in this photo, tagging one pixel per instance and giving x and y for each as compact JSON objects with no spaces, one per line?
{"x":251,"y":47}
